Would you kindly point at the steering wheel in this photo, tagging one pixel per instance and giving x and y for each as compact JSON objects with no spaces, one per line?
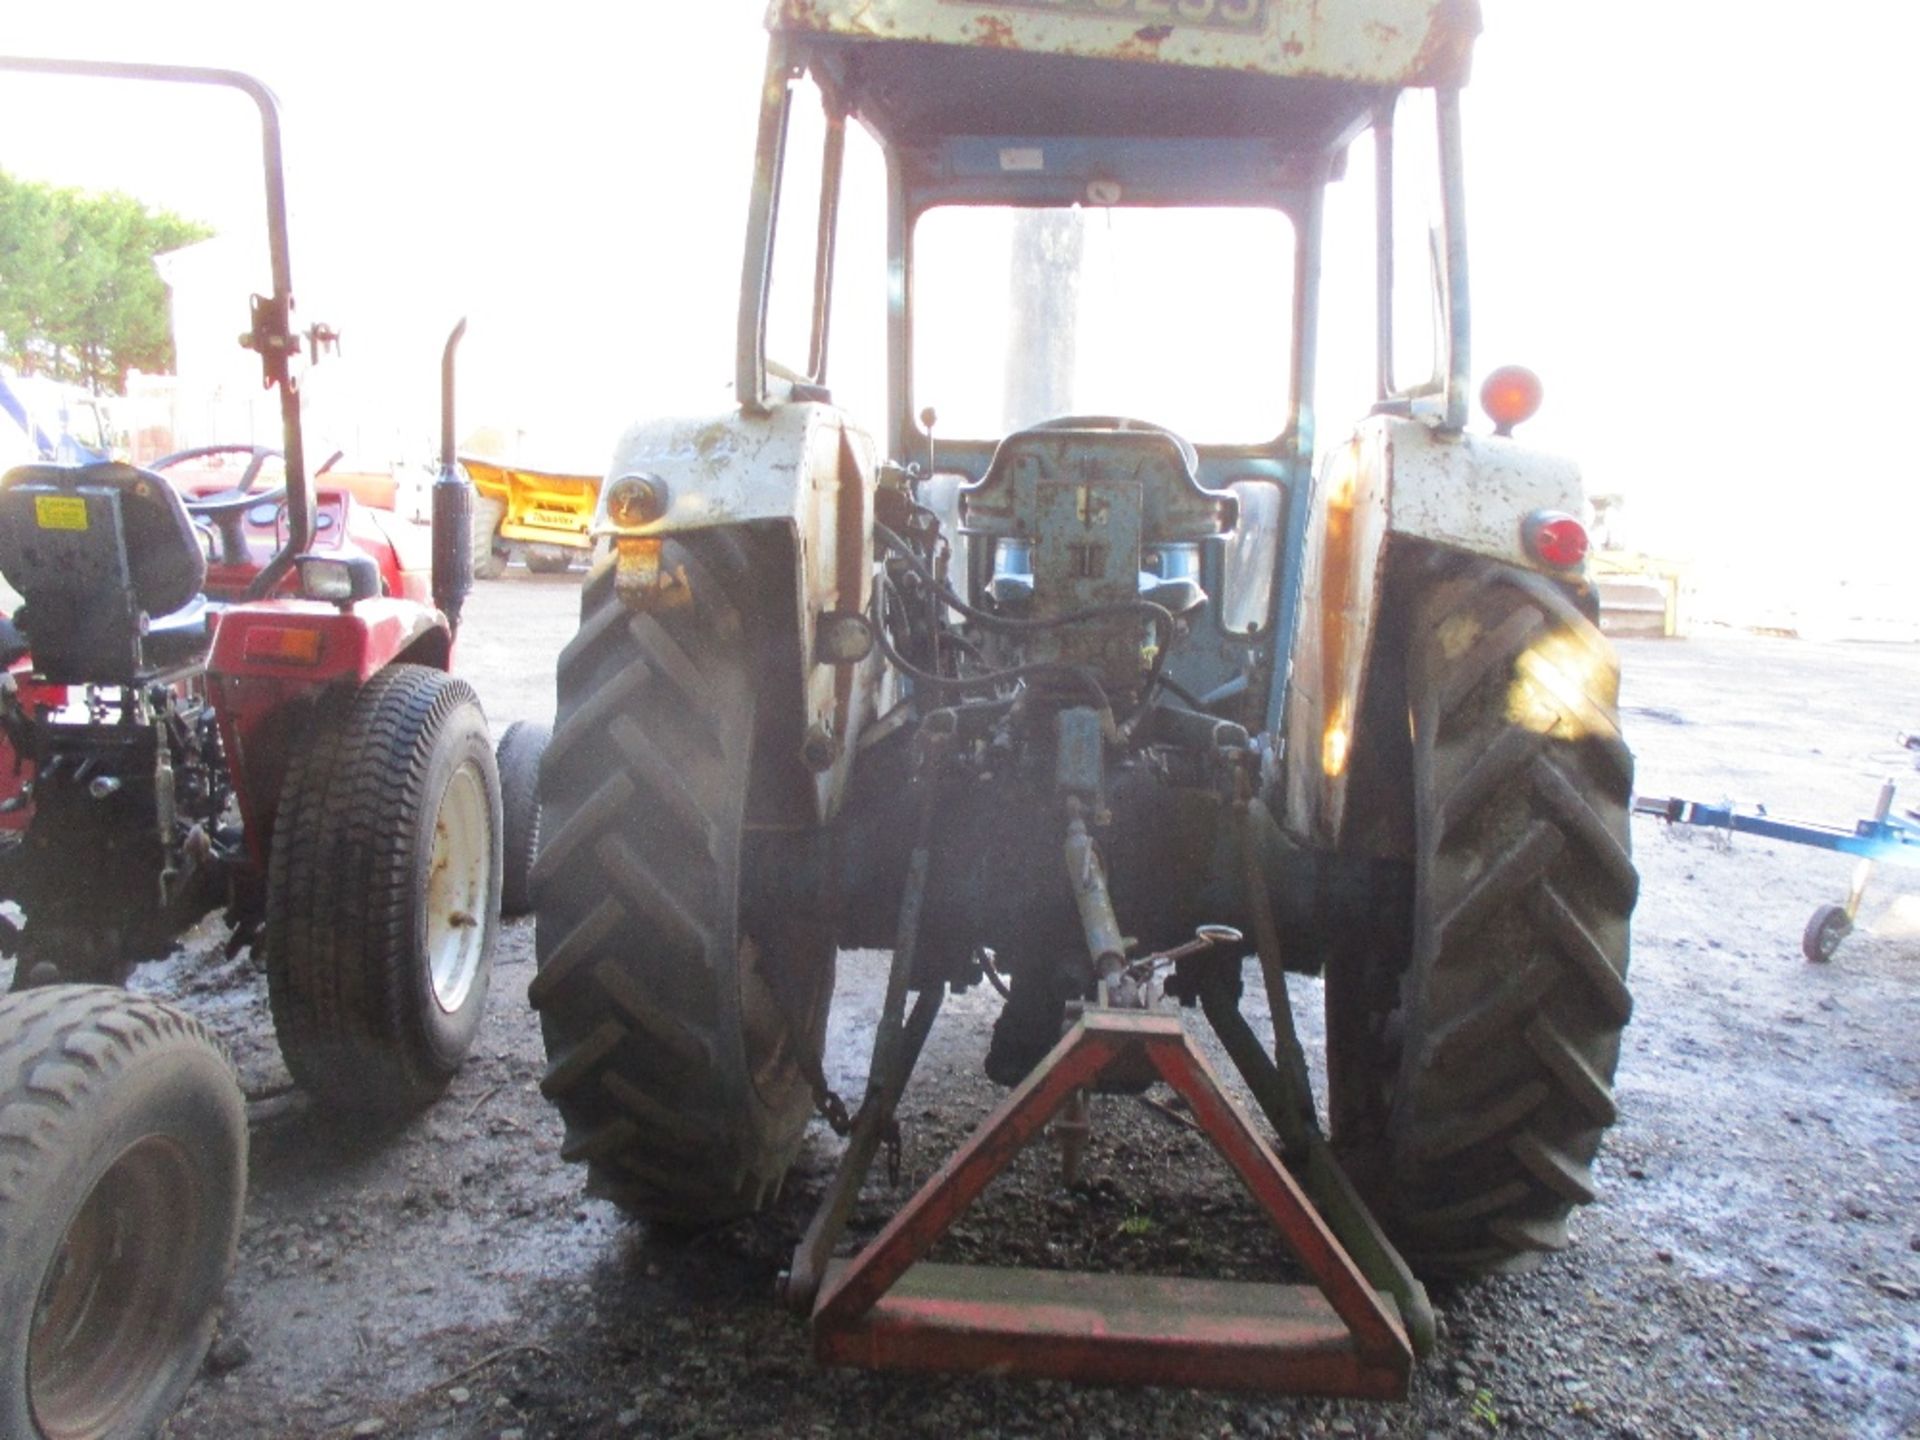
{"x":228,"y":513}
{"x":227,"y":509}
{"x":260,"y":455}
{"x":1123,"y":422}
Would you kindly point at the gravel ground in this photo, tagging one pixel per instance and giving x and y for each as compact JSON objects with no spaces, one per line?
{"x":1752,"y":1267}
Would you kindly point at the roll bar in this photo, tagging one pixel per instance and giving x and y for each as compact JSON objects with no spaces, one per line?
{"x":270,"y":333}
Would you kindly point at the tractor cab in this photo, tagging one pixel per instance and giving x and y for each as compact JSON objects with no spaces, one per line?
{"x":1108,"y":218}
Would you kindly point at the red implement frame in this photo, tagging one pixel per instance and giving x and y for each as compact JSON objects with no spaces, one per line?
{"x":887,"y":1309}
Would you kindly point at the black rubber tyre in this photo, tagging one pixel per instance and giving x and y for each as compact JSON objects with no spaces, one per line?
{"x":489,"y":551}
{"x":383,"y":891}
{"x":123,"y":1172}
{"x":518,"y":756}
{"x":1826,"y":928}
{"x":548,"y":559}
{"x":1496,"y":1044}
{"x":677,"y":1028}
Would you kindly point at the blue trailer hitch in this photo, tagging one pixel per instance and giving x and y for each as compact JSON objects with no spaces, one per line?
{"x":1881,"y":837}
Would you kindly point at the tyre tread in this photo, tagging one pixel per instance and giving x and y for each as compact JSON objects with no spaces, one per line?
{"x":1511,"y":1010}
{"x":338,"y":935}
{"x":644,"y":785}
{"x":71,"y":1058}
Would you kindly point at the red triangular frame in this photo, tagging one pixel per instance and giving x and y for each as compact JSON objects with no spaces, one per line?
{"x":887,"y":1309}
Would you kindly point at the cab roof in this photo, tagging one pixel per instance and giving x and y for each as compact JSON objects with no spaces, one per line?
{"x":1386,"y":44}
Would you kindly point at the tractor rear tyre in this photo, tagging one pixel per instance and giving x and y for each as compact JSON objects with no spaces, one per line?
{"x":680,"y":1029}
{"x":383,"y":894}
{"x":1494,"y":1049}
{"x":518,"y":756}
{"x":123,"y":1171}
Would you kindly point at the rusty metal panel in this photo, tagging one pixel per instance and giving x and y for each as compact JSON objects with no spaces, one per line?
{"x":1111,"y":1330}
{"x":1333,"y":632}
{"x":1401,"y":478}
{"x":1472,"y":491}
{"x":1368,"y":42}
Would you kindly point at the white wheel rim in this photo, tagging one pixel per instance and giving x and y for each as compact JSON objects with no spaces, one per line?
{"x":457,"y":898}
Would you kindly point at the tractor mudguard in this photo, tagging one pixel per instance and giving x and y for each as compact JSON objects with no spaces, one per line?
{"x":1396,"y":479}
{"x":317,"y":643}
{"x":271,"y":656}
{"x":799,"y":466}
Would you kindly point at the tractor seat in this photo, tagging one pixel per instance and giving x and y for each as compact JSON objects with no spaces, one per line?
{"x":1054,"y":481}
{"x":182,"y":637}
{"x":97,"y":551}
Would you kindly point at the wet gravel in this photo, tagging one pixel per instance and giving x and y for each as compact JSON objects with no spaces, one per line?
{"x":1752,"y":1267}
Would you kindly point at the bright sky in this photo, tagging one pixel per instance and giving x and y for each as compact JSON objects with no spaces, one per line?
{"x":1692,"y":217}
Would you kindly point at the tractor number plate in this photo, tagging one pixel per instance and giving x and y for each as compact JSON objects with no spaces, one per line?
{"x":60,"y":512}
{"x":1246,"y":15}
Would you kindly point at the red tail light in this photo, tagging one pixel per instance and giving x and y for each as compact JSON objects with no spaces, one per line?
{"x":1554,"y":538}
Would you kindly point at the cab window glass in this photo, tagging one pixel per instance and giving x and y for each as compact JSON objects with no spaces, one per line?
{"x":796,"y":233}
{"x":857,"y":369}
{"x":1417,"y":228}
{"x":1176,"y":315}
{"x":1252,"y":555}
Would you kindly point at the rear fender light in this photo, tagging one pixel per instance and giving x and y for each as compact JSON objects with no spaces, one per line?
{"x":284,"y":644}
{"x":1555,"y":539}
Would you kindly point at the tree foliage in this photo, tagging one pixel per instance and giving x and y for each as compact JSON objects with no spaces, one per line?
{"x":80,"y":300}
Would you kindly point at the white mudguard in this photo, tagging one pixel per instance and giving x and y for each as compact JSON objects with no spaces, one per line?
{"x":802,"y":465}
{"x":1394,"y":479}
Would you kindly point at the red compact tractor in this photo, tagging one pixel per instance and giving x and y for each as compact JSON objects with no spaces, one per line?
{"x":242,"y":700}
{"x":234,"y":700}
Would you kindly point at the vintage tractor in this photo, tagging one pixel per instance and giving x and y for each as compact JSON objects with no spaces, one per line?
{"x":237,"y":701}
{"x":1048,"y":699}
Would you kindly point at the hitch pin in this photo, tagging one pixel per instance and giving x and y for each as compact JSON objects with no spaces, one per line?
{"x":1205,"y":937}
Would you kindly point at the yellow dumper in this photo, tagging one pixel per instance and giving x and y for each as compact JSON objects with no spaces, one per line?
{"x":545,"y":514}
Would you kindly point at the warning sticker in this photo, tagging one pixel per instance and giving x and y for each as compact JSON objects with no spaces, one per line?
{"x":60,"y":512}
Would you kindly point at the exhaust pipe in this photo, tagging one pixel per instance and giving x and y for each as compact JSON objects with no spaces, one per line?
{"x":452,"y":504}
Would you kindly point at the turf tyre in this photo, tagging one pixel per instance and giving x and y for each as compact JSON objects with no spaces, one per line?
{"x":1495,"y":1044}
{"x":383,"y":890}
{"x":123,"y":1166}
{"x":678,"y":1029}
{"x":518,"y":758}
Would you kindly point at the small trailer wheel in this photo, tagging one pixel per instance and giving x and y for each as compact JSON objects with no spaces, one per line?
{"x":1826,"y":928}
